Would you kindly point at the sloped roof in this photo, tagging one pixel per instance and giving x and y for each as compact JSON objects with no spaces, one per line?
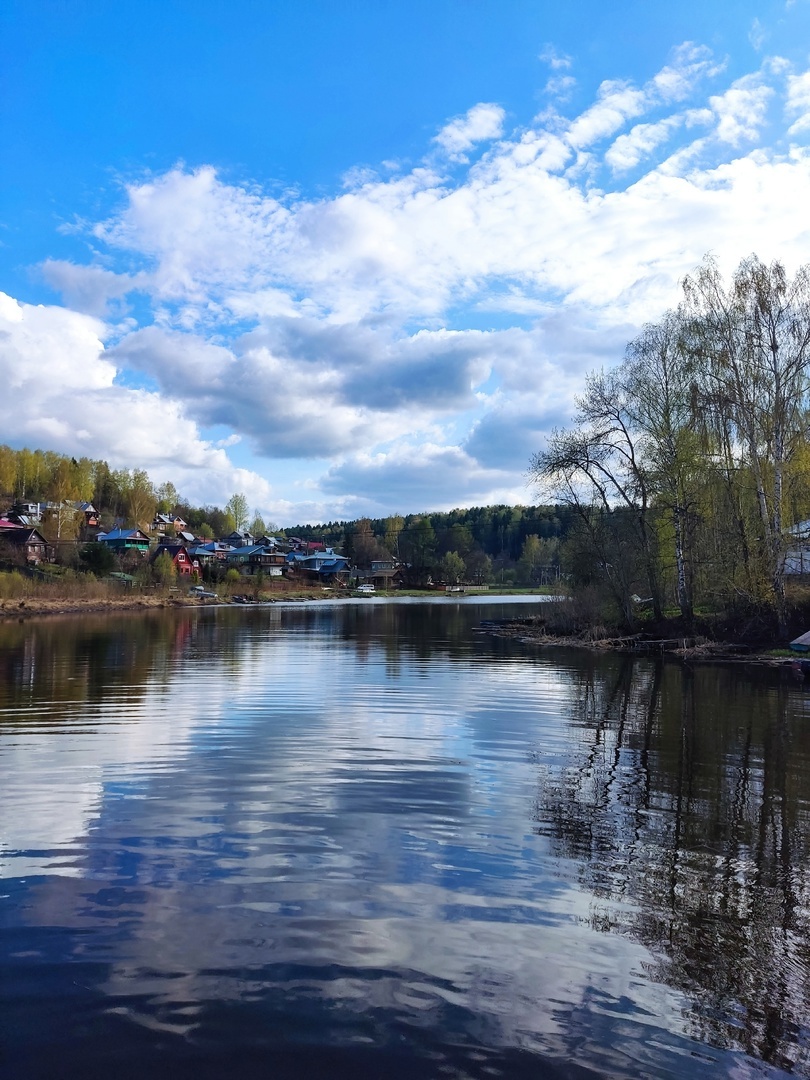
{"x":123,"y":534}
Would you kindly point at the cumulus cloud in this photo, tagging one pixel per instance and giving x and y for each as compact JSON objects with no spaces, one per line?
{"x":61,"y":392}
{"x":299,"y":388}
{"x":91,"y":290}
{"x":741,"y":109}
{"x":341,"y":327}
{"x":429,"y":477}
{"x":797,"y":102}
{"x":479,"y":124}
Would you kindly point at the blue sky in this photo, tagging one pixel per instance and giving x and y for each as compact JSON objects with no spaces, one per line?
{"x":357,"y":258}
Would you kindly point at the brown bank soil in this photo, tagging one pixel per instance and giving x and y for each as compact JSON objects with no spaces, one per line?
{"x":38,"y":603}
{"x":47,"y":605}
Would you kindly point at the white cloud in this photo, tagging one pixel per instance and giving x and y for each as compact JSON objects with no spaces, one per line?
{"x":555,"y":60}
{"x":358,"y":306}
{"x":741,"y":110}
{"x":628,"y":150}
{"x":428,"y":477}
{"x":620,"y":101}
{"x":757,"y":35}
{"x":798,"y":102}
{"x":560,"y":86}
{"x":61,"y":393}
{"x":91,"y":289}
{"x":480,"y":123}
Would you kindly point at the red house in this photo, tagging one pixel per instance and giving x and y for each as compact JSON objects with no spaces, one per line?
{"x":184,"y":563}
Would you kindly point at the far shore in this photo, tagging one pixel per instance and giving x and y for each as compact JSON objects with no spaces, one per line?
{"x":531,"y":631}
{"x":37,"y":604}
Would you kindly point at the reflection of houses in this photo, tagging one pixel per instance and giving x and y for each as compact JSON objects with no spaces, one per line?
{"x":27,"y":543}
{"x":323,"y":566}
{"x":125,"y":540}
{"x":183,"y":561}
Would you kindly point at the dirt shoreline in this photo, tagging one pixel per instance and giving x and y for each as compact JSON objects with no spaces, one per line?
{"x":39,"y":605}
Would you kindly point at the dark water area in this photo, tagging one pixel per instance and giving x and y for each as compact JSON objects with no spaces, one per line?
{"x":366,"y":840}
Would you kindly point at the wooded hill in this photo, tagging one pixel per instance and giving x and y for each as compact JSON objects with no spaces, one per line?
{"x":487,"y":542}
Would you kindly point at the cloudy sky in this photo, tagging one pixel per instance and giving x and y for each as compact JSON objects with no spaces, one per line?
{"x":357,"y":258}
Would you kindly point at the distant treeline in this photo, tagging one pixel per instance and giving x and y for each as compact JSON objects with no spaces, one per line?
{"x":499,"y":531}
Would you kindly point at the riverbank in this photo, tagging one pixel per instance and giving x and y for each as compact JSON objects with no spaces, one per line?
{"x":692,"y":650}
{"x":76,"y":598}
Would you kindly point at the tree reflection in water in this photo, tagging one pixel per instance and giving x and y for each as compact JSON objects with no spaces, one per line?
{"x":685,"y":803}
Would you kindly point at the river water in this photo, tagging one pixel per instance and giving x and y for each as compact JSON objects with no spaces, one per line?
{"x":367,"y":840}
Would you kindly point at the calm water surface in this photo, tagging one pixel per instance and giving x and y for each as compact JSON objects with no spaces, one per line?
{"x":366,"y":840}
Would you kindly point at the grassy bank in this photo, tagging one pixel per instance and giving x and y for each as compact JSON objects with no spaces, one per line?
{"x":68,"y":591}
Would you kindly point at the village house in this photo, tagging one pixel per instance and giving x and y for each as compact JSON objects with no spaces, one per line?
{"x":184,"y":562}
{"x":382,"y":574}
{"x":29,"y":544}
{"x":324,"y":566}
{"x":162,"y":522}
{"x":125,"y":540}
{"x":91,"y":515}
{"x":240,"y":538}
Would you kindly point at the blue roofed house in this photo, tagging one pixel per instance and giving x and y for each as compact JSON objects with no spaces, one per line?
{"x":125,"y":540}
{"x":324,"y":566}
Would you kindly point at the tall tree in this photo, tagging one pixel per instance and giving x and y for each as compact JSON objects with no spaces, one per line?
{"x":237,"y":507}
{"x":139,"y":497}
{"x":63,"y":489}
{"x":658,"y":375}
{"x":754,"y":342}
{"x":597,"y":469}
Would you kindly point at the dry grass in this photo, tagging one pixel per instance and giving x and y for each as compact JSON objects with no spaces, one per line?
{"x":67,"y":586}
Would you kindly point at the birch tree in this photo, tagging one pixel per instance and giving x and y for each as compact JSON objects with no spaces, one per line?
{"x":657,"y":376}
{"x":753,"y":343}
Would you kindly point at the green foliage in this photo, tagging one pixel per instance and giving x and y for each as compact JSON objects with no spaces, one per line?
{"x":451,"y":569}
{"x":98,"y":559}
{"x":163,"y":570}
{"x":237,"y":508}
{"x":478,"y":567}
